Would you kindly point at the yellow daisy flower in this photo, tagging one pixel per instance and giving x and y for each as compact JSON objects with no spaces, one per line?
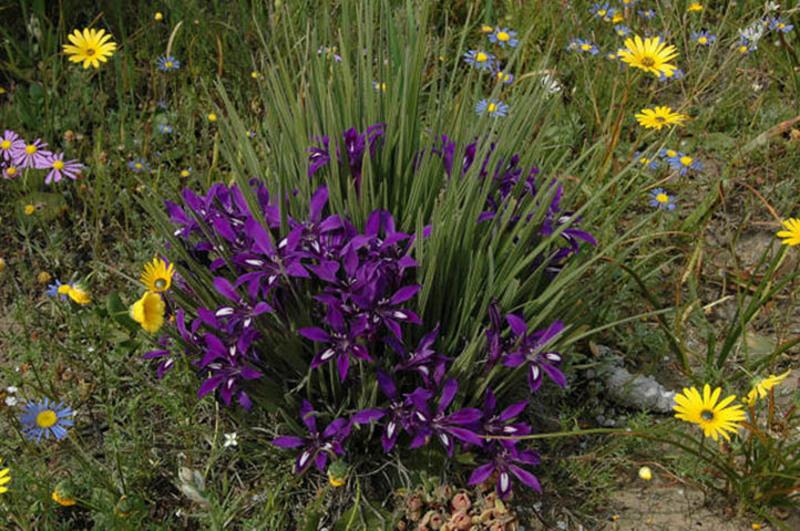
{"x":29,"y":210}
{"x":212,"y":117}
{"x":659,"y":117}
{"x":651,"y":55}
{"x":63,"y":494}
{"x":91,"y":47}
{"x":5,"y":477}
{"x":790,"y":236}
{"x":695,"y":7}
{"x":486,"y":28}
{"x":762,"y":387}
{"x":79,"y":295}
{"x":149,"y":312}
{"x":715,"y":418}
{"x":159,"y":16}
{"x":157,"y":275}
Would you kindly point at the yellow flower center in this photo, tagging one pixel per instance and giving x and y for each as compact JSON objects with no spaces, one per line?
{"x":64,"y":289}
{"x":602,"y":12}
{"x":11,"y":170}
{"x":90,"y":52}
{"x":648,"y":61}
{"x":5,"y":144}
{"x":503,"y":36}
{"x":671,"y":153}
{"x":30,"y":149}
{"x":660,"y":119}
{"x":781,"y":25}
{"x":586,"y":47}
{"x":46,"y":418}
{"x":742,"y":48}
{"x":703,"y":40}
{"x":168,"y":64}
{"x":160,"y":283}
{"x":481,"y":57}
{"x":662,"y":198}
{"x":644,"y":160}
{"x":686,"y":160}
{"x":185,"y":173}
{"x":492,"y":107}
{"x":29,"y":209}
{"x":138,"y":165}
{"x":487,"y":29}
{"x":58,"y":165}
{"x":707,"y":415}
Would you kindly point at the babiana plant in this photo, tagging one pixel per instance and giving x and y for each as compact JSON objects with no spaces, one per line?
{"x":393,"y":276}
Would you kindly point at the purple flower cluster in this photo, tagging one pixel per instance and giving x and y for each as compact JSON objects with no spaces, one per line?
{"x":16,"y":155}
{"x":314,"y":303}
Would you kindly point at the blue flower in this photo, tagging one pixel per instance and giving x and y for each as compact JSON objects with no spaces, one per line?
{"x":622,"y":30}
{"x":647,"y":14}
{"x":604,"y":11}
{"x":492,"y":107}
{"x":660,"y":199}
{"x":52,"y":290}
{"x":676,"y":75}
{"x":504,"y":77}
{"x":479,"y":59}
{"x":165,"y":129}
{"x":168,"y":63}
{"x":682,"y":163}
{"x":704,"y":38}
{"x":583,"y":46}
{"x":777,"y":24}
{"x":138,"y":165}
{"x":504,"y":37}
{"x":646,"y":161}
{"x":746,"y":46}
{"x":46,"y":418}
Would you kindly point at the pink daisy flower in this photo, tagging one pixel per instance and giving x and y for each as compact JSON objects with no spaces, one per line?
{"x":33,"y":155}
{"x":59,"y":168}
{"x":10,"y":142}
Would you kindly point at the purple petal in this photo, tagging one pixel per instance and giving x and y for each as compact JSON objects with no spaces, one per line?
{"x":466,"y":436}
{"x":209,"y":385}
{"x":513,"y":410}
{"x":526,"y":477}
{"x":514,"y":359}
{"x":343,"y":364}
{"x":449,"y":391}
{"x":481,"y":474}
{"x":555,"y":374}
{"x":307,"y":416}
{"x":288,"y":441}
{"x":365,"y":416}
{"x":518,"y":325}
{"x":226,"y":289}
{"x":404,"y":293}
{"x":464,"y":416}
{"x":314,"y":334}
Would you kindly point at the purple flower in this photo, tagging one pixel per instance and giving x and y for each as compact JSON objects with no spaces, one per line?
{"x":446,"y":428}
{"x":397,"y":414}
{"x":59,"y":168}
{"x":529,"y":349}
{"x":505,"y":463}
{"x":339,"y":343}
{"x":228,"y":364}
{"x":317,"y":446}
{"x":502,"y":423}
{"x":353,"y":144}
{"x":424,"y":360}
{"x":10,"y":143}
{"x":33,"y":155}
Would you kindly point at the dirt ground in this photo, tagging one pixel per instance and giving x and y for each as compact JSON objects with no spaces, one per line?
{"x":665,"y":506}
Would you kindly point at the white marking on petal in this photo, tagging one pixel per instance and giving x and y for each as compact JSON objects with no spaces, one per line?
{"x":283,"y":243}
{"x":535,"y":372}
{"x":253,"y":262}
{"x":445,"y":439}
{"x":505,"y":482}
{"x":222,"y":312}
{"x":553,"y":356}
{"x":328,"y":354}
{"x":399,"y":315}
{"x":390,"y":429}
{"x":304,"y":459}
